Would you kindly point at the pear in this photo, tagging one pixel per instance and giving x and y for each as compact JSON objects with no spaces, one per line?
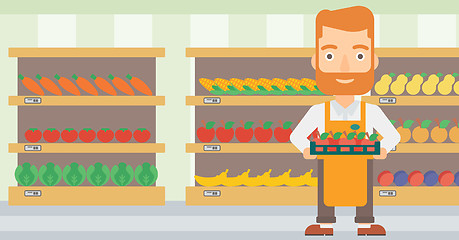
{"x":456,"y":87}
{"x":446,"y":86}
{"x":398,"y":86}
{"x":382,"y":86}
{"x":430,"y":86}
{"x":414,"y":86}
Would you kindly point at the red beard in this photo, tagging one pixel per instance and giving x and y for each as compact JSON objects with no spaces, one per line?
{"x":363,"y":83}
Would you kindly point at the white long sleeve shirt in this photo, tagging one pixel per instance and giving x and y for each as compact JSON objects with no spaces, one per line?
{"x":315,"y":118}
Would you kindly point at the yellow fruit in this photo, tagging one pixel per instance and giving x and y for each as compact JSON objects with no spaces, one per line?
{"x":382,"y":86}
{"x":446,"y":86}
{"x":212,"y":181}
{"x":404,"y":130}
{"x":305,"y":179}
{"x":398,"y":86}
{"x":278,"y":181}
{"x":420,"y":133}
{"x":414,"y":86}
{"x":456,"y":87}
{"x":235,"y":181}
{"x":454,"y":132}
{"x":258,"y":180}
{"x":439,"y":133}
{"x":430,"y":86}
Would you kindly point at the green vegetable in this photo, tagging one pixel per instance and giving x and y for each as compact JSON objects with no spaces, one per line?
{"x":74,"y":175}
{"x":26,"y":174}
{"x":98,"y":174}
{"x":122,"y":174}
{"x":146,"y":174}
{"x":50,"y":174}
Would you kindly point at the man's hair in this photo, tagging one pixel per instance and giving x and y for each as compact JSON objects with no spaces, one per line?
{"x":350,"y":19}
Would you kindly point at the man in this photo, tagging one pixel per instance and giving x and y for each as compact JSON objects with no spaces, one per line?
{"x":345,"y":62}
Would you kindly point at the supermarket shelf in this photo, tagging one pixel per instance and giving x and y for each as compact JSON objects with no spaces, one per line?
{"x":86,"y":52}
{"x":241,"y":148}
{"x":421,"y":196}
{"x":87,"y":196}
{"x":86,"y":100}
{"x":257,"y":100}
{"x":308,"y":52}
{"x":413,"y":100}
{"x":86,"y":148}
{"x":290,"y":148}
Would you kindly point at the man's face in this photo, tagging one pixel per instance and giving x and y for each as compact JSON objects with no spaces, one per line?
{"x":344,"y":62}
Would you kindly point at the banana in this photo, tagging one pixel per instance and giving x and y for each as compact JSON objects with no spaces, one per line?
{"x":235,"y":181}
{"x":382,"y":86}
{"x":258,"y":180}
{"x":212,"y":181}
{"x":278,"y":181}
{"x":414,"y":86}
{"x":305,"y":179}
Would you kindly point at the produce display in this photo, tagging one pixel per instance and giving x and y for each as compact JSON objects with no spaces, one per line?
{"x":85,"y":85}
{"x":417,"y":84}
{"x":416,"y":178}
{"x":345,"y":144}
{"x":261,"y":86}
{"x":261,"y":180}
{"x":87,"y":135}
{"x":244,"y":133}
{"x":421,"y":134}
{"x":97,"y":174}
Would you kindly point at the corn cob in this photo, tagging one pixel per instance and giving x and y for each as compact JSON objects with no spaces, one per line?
{"x":207,"y":83}
{"x":222,"y":83}
{"x":309,"y":83}
{"x":252,"y":83}
{"x":266,"y":83}
{"x":280,"y":83}
{"x":237,"y":83}
{"x":295,"y":83}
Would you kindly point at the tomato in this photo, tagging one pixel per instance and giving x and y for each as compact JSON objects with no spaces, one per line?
{"x":87,"y":135}
{"x":69,"y":135}
{"x":141,"y":135}
{"x":123,"y":135}
{"x":105,"y":135}
{"x":51,"y":135}
{"x":33,"y":135}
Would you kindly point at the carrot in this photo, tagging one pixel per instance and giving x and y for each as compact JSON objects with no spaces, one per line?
{"x":49,"y":85}
{"x":139,"y":85}
{"x":104,"y":85}
{"x":67,"y":85}
{"x":85,"y":85}
{"x":31,"y":85}
{"x":121,"y":85}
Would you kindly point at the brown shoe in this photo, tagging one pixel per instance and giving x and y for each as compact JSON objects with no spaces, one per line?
{"x":315,"y":230}
{"x":374,"y":230}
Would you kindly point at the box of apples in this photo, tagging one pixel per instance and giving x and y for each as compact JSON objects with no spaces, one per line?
{"x":345,"y":144}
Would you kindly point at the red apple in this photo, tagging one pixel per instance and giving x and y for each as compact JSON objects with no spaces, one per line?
{"x":225,"y":133}
{"x":264,"y":134}
{"x":51,"y":135}
{"x":69,"y":135}
{"x":348,"y":140}
{"x":245,"y":133}
{"x":206,"y":133}
{"x":322,"y":140}
{"x":371,"y":141}
{"x":33,"y":135}
{"x":334,"y":140}
{"x":282,"y":134}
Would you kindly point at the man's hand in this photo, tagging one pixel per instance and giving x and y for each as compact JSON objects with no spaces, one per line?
{"x":382,"y":155}
{"x":307,"y":155}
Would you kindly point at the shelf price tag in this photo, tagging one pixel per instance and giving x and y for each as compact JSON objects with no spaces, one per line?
{"x":387,"y":100}
{"x":32,"y":100}
{"x":32,"y":148}
{"x":32,"y":193}
{"x":212,"y":100}
{"x":212,"y":193}
{"x":387,"y":193}
{"x":212,"y":148}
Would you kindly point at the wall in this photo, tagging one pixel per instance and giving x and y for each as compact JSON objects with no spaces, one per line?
{"x":175,"y":73}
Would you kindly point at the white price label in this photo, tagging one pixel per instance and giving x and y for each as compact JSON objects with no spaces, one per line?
{"x":387,"y":193}
{"x":387,"y":100}
{"x":212,"y":193}
{"x":32,"y":193}
{"x":212,"y":100}
{"x":32,"y":100}
{"x":32,"y":148}
{"x":212,"y":148}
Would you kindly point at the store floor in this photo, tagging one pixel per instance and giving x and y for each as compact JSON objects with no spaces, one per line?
{"x":177,"y":221}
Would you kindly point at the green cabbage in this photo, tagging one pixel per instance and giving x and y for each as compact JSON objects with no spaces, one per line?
{"x":74,"y":175}
{"x":26,"y":174}
{"x":50,"y":174}
{"x":146,"y":174}
{"x":122,"y":174}
{"x":98,"y":174}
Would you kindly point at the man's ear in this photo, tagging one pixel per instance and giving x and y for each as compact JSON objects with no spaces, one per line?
{"x":376,"y":61}
{"x":313,"y":61}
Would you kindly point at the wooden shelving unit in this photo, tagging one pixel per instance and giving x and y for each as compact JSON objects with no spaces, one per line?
{"x":303,"y":196}
{"x":86,"y":196}
{"x":257,"y":100}
{"x":413,"y":100}
{"x":87,"y":100}
{"x":87,"y":148}
{"x":87,"y":111}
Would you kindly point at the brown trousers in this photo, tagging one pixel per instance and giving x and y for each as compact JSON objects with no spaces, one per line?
{"x":363,"y":214}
